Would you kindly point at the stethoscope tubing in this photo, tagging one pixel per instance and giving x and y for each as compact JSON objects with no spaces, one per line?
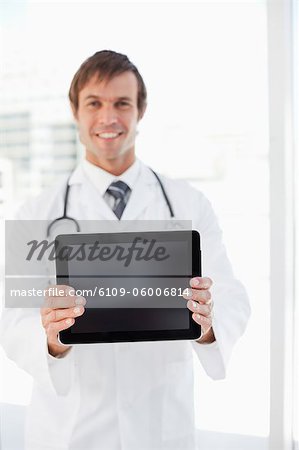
{"x":66,"y":199}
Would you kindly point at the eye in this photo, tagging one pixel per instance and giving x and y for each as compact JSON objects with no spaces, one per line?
{"x":94,"y":104}
{"x":123,"y":104}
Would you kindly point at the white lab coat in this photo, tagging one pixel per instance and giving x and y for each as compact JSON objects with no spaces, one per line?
{"x":130,"y":395}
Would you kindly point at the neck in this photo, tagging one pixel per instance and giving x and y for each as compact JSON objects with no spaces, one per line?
{"x":114,"y":166}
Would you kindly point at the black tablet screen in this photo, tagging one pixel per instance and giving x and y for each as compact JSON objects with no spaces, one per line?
{"x":132,"y":282}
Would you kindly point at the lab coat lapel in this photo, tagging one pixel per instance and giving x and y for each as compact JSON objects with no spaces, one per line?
{"x":142,"y":194}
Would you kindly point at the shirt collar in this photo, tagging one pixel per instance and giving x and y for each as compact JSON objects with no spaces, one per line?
{"x":102,"y":179}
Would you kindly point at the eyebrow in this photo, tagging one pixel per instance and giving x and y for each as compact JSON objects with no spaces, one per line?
{"x":92,"y":96}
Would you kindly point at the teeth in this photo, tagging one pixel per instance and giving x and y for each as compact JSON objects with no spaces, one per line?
{"x":108,"y":135}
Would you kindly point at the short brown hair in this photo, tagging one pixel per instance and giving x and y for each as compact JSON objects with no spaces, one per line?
{"x":106,"y":64}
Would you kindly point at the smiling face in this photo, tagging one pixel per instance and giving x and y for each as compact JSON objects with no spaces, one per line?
{"x":107,"y":119}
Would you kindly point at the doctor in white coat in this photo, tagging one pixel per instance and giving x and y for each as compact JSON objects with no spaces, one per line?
{"x":123,"y":396}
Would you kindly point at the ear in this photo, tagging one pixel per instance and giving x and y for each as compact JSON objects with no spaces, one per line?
{"x":141,"y":113}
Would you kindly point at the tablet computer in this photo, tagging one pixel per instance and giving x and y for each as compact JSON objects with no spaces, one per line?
{"x":133,"y":283}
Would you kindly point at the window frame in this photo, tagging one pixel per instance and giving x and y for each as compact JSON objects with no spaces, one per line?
{"x":282,"y":218}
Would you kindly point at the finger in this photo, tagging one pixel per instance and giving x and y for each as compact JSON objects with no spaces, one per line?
{"x":59,"y":290}
{"x":56,"y":291}
{"x":62,"y":302}
{"x":55,"y":315}
{"x":201,"y":282}
{"x":205,"y":322}
{"x":55,"y":327}
{"x":195,"y":307}
{"x":199,"y":295}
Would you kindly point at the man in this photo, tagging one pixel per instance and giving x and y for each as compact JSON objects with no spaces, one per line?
{"x":131,"y":395}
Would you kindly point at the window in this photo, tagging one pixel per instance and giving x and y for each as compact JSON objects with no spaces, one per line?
{"x":296,"y":227}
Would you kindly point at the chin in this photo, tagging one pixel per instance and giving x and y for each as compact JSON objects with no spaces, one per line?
{"x":110,"y":154}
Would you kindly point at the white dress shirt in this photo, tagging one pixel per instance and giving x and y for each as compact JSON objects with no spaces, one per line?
{"x":102,"y":179}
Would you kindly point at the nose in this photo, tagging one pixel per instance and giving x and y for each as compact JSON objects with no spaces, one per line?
{"x":107,"y":115}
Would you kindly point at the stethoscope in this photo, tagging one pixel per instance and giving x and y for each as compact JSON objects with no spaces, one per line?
{"x":65,"y":217}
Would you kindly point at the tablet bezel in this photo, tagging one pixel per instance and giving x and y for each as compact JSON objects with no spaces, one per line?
{"x":68,"y":338}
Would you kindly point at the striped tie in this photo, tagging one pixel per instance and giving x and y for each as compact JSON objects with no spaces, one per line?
{"x":118,"y":190}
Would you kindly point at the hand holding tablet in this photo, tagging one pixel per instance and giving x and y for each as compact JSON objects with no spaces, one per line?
{"x":59,"y":313}
{"x":201,"y":304}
